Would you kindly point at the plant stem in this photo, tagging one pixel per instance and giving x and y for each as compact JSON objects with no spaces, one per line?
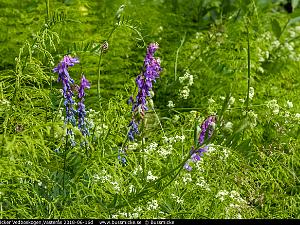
{"x":158,"y":121}
{"x":65,"y":157}
{"x":99,"y":65}
{"x":176,"y":58}
{"x":47,"y":9}
{"x":249,"y":65}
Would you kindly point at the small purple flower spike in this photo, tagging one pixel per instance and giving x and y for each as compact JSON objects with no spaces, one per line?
{"x":207,"y":128}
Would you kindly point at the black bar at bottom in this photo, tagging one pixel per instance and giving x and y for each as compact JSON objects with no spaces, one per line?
{"x":142,"y":221}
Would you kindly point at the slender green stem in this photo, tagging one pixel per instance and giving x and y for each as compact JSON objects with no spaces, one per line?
{"x":283,"y":29}
{"x":99,"y":66}
{"x":65,"y":158}
{"x":249,"y":66}
{"x":158,"y":121}
{"x":47,"y":9}
{"x":143,"y":155}
{"x":98,"y":80}
{"x":176,"y":58}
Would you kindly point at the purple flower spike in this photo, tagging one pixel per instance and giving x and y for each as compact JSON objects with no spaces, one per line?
{"x":196,"y":155}
{"x":62,"y":68}
{"x":207,"y":128}
{"x":81,"y":107}
{"x":144,"y":82}
{"x":67,"y":81}
{"x":83,"y":84}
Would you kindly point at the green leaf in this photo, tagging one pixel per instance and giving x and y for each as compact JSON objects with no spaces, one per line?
{"x":294,"y":20}
{"x":276,"y":28}
{"x":295,"y":3}
{"x":296,"y":13}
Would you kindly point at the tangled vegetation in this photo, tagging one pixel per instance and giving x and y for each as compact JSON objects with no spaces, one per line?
{"x":149,"y":109}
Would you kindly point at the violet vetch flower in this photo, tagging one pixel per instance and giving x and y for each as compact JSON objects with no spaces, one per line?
{"x":187,"y":167}
{"x":81,"y":107}
{"x":195,"y":157}
{"x":197,"y":154}
{"x":207,"y":128}
{"x":122,"y":156}
{"x":133,"y":130}
{"x":67,"y":81}
{"x":144,"y":82}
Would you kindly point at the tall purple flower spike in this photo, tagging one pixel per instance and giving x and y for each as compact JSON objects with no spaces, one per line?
{"x":144,"y":81}
{"x":67,"y":81}
{"x":81,"y":107}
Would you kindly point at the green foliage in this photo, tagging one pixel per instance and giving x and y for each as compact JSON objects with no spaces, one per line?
{"x":237,"y":60}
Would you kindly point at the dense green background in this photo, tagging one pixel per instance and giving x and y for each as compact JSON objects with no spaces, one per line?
{"x":227,"y":45}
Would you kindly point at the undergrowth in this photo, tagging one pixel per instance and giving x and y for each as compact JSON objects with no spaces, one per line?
{"x":217,"y":135}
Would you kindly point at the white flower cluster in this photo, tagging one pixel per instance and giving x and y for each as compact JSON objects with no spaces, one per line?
{"x":150,"y":176}
{"x":284,"y":49}
{"x":233,"y":196}
{"x":251,"y":92}
{"x":175,"y":139}
{"x":131,"y":188}
{"x":151,"y":147}
{"x":187,"y":178}
{"x":91,"y":120}
{"x":187,"y":77}
{"x":236,"y":202}
{"x":202,"y":183}
{"x":188,"y":80}
{"x":60,"y":114}
{"x":289,"y":104}
{"x":231,"y":101}
{"x":165,"y":151}
{"x":116,"y":186}
{"x":171,"y":104}
{"x":152,"y":205}
{"x":137,"y":170}
{"x":193,"y":115}
{"x":226,"y":153}
{"x":273,"y":106}
{"x":221,"y":195}
{"x":252,"y":116}
{"x":132,"y":146}
{"x":184,"y":92}
{"x":177,"y":199}
{"x":211,"y":148}
{"x":103,"y":177}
